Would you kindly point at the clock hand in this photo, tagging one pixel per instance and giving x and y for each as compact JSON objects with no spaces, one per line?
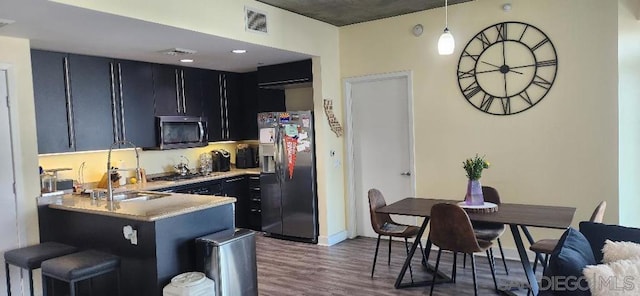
{"x":524,"y":66}
{"x":491,"y":64}
{"x":505,"y":85}
{"x":497,"y":70}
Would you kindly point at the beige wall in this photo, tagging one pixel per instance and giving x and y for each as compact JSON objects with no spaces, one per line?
{"x":562,"y":152}
{"x":299,"y":99}
{"x":14,"y":52}
{"x":287,"y":31}
{"x":629,"y":104}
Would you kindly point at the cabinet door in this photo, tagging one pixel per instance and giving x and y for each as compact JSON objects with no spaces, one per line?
{"x":211,"y":104}
{"x":250,"y":108}
{"x":272,"y":100}
{"x":135,"y":86}
{"x":93,"y":103}
{"x":166,"y":93}
{"x":50,"y":98}
{"x":238,"y":187}
{"x":234,"y":107}
{"x":191,"y":81}
{"x":287,"y":73}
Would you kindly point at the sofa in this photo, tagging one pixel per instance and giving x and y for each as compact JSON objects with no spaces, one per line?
{"x":577,"y":261}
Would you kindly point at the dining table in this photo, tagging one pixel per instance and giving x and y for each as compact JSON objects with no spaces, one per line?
{"x":517,"y":216}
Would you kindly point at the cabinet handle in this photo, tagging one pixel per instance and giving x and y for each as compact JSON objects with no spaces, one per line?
{"x":254,"y":178}
{"x":221,"y":104}
{"x":255,"y":199}
{"x":256,"y":210}
{"x":113,"y":102}
{"x":184,"y":100}
{"x":226,"y":106}
{"x":177,"y":92}
{"x":255,"y":188}
{"x":122,"y":128}
{"x":67,"y":90}
{"x":234,"y":180}
{"x":201,"y":126}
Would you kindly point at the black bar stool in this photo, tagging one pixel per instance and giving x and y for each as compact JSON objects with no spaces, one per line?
{"x":31,"y":258}
{"x":80,"y":266}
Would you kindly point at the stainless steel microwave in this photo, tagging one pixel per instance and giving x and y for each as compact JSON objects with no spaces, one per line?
{"x":174,"y":132}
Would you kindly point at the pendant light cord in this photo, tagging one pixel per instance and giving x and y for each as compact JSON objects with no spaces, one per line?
{"x":446,"y":15}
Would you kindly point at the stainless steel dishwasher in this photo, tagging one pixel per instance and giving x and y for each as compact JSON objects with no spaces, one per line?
{"x":229,"y":259}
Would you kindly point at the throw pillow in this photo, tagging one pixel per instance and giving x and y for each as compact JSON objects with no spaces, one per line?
{"x":614,"y":251}
{"x":597,"y":233}
{"x":619,"y":278}
{"x":571,"y":255}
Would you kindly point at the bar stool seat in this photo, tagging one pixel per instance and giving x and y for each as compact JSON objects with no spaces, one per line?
{"x":31,"y":257}
{"x":80,"y":266}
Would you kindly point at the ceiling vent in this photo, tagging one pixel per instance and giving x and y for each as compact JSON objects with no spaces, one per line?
{"x":5,"y":22}
{"x":178,"y":51}
{"x":255,"y":21}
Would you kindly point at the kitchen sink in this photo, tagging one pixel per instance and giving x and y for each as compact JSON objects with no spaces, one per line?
{"x":138,"y":196}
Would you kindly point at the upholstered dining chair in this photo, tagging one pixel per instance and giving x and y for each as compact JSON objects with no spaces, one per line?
{"x":451,"y":230}
{"x":383,"y":225}
{"x":490,"y":231}
{"x":546,"y":246}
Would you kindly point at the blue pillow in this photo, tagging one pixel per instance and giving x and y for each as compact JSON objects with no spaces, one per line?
{"x":571,"y":255}
{"x":597,"y":233}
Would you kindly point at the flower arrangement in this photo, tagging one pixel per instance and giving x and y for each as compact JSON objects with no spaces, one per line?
{"x":474,"y":167}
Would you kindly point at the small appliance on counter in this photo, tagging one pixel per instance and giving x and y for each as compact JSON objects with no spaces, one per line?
{"x":221,"y":160}
{"x":246,"y":156}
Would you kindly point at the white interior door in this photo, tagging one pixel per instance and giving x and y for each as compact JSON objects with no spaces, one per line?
{"x":8,"y":209}
{"x":381,"y":132}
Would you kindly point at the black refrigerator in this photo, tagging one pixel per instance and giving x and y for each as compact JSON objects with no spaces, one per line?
{"x":288,"y":175}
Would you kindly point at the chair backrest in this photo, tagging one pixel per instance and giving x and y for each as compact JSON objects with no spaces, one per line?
{"x":376,"y":201}
{"x":598,"y":213}
{"x":450,"y":229}
{"x":490,"y":194}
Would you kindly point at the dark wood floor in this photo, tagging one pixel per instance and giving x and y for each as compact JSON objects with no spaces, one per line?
{"x":291,"y":268}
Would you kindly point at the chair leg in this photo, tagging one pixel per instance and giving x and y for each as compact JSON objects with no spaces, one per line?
{"x":118,"y":281}
{"x":546,"y":263}
{"x":435,"y":272}
{"x":428,"y":248}
{"x":464,"y":260}
{"x":424,"y":259}
{"x":8,"y":277}
{"x":45,"y":285}
{"x":492,"y":265}
{"x":72,"y":289}
{"x":454,"y":270}
{"x":31,"y":282}
{"x":473,"y":271}
{"x":504,"y":260}
{"x":389,"y":258}
{"x":406,"y":246}
{"x":535,"y":262}
{"x":373,"y":268}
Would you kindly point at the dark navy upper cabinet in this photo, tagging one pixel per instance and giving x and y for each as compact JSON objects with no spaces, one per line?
{"x":54,"y":122}
{"x":234,"y":107}
{"x":282,"y":75}
{"x":135,"y":90}
{"x":93,"y":95}
{"x":212,"y":104}
{"x":255,"y":100}
{"x":178,"y":91}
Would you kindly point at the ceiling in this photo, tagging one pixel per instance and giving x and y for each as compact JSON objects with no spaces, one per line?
{"x":58,"y":27}
{"x":347,"y":12}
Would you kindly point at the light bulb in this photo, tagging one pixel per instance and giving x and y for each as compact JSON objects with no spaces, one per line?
{"x":446,"y":44}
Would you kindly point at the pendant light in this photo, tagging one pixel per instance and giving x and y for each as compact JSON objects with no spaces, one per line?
{"x":446,"y":44}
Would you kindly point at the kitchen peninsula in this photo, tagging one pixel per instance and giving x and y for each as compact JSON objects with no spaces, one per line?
{"x":165,"y":229}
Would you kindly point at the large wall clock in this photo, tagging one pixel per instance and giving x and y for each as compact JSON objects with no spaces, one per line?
{"x":507,"y":68}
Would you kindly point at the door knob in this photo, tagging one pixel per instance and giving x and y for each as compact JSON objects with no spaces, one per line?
{"x":405,"y":174}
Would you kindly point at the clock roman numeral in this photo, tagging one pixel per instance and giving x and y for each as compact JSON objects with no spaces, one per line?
{"x":484,"y":39}
{"x":525,"y":96}
{"x":473,"y":56}
{"x":541,"y":82}
{"x":541,"y":43}
{"x":502,"y":32}
{"x":466,"y":74}
{"x":523,"y":31}
{"x":547,"y":63}
{"x":487,"y":100}
{"x":471,"y":90}
{"x":506,"y":105}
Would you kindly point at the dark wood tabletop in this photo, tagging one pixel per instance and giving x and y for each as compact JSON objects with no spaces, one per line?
{"x":516,"y":214}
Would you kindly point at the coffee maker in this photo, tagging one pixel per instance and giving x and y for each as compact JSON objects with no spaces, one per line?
{"x":247,"y":156}
{"x":221,"y":160}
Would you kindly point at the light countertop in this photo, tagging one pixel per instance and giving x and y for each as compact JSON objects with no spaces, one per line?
{"x":165,"y":184}
{"x":148,"y":210}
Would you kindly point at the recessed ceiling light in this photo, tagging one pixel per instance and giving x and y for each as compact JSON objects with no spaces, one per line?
{"x":239,"y":51}
{"x":186,"y":60}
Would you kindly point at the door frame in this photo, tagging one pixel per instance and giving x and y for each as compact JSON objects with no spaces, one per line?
{"x":352,"y":211}
{"x":17,"y":166}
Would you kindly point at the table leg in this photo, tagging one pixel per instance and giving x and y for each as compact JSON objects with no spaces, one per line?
{"x":441,"y":277}
{"x":531,"y":242}
{"x":524,"y":259}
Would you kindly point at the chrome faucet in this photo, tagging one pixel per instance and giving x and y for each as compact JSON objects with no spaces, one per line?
{"x":110,"y":170}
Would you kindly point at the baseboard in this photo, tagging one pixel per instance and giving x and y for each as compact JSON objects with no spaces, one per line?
{"x":332,"y":239}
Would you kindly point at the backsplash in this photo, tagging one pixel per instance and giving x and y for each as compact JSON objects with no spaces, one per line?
{"x":152,"y":161}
